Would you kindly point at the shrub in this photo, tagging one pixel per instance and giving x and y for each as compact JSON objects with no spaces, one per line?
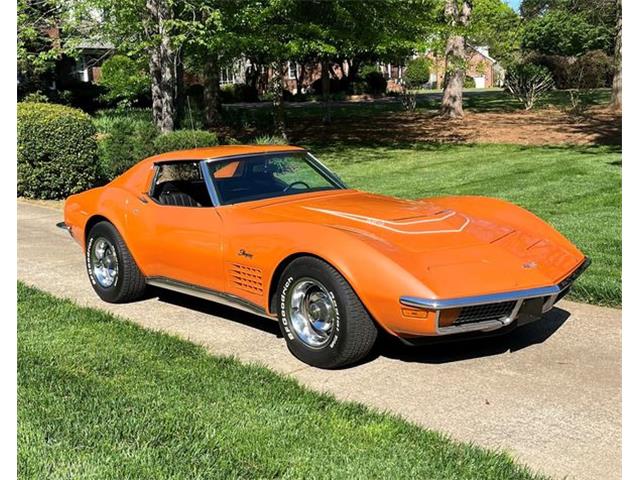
{"x":527,"y":82}
{"x":36,"y":97}
{"x":86,"y":96}
{"x":184,"y":140}
{"x":594,"y":69}
{"x":124,"y":143}
{"x":417,"y":72}
{"x":269,"y":140}
{"x":57,"y":153}
{"x":559,"y":66}
{"x":335,"y":86}
{"x":469,"y":82}
{"x":240,"y":92}
{"x":376,"y":83}
{"x":245,"y":93}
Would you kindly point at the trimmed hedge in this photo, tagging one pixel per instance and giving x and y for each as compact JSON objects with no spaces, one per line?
{"x":57,"y":151}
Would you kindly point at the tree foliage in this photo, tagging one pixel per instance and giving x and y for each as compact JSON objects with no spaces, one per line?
{"x":568,"y":27}
{"x":125,"y":79}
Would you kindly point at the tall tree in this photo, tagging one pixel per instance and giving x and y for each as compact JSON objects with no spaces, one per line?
{"x":616,"y":92}
{"x":457,"y":15}
{"x":139,"y":28}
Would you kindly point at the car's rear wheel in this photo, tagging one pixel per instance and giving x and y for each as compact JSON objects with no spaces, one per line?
{"x":112,"y":271}
{"x":322,"y":319}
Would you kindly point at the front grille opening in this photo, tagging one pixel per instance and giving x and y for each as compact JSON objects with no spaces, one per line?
{"x":484,"y":313}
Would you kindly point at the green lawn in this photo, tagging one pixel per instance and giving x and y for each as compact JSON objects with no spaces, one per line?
{"x":576,"y":189}
{"x":99,"y":397}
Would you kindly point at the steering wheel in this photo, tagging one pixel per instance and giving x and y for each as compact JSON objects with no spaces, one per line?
{"x":290,"y":186}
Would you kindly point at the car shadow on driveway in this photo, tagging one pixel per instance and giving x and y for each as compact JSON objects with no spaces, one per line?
{"x":454,"y":351}
{"x":445,"y":350}
{"x":211,"y":308}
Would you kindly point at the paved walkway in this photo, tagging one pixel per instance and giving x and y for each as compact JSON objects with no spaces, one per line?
{"x":550,"y":393}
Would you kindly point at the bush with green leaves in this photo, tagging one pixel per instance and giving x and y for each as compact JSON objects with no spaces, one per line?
{"x":376,"y":83}
{"x":594,"y":69}
{"x":129,"y":140}
{"x":125,"y":79}
{"x":36,"y":97}
{"x":527,"y":82}
{"x":269,"y":140}
{"x":125,"y":143}
{"x":240,"y":92}
{"x":469,"y":82}
{"x":57,"y":152}
{"x":417,"y":72}
{"x":184,"y":140}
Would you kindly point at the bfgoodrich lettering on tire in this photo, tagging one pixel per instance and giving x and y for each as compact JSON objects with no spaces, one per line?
{"x":112,"y":271}
{"x":322,"y":319}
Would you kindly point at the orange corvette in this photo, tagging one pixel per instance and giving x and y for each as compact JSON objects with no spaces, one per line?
{"x":270,"y":230}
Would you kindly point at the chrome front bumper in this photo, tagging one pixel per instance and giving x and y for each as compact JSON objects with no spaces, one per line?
{"x":549,"y":295}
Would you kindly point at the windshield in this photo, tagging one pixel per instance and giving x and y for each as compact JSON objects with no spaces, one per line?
{"x":242,"y":179}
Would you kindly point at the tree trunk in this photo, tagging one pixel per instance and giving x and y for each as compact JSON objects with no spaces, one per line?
{"x":155,"y":72}
{"x":212,"y":103}
{"x":167,"y":87}
{"x":354,"y":67}
{"x":179,"y":90}
{"x":455,"y":62}
{"x":326,"y":90}
{"x":162,"y":67}
{"x":616,"y":92}
{"x":454,"y":78}
{"x":277,"y":90}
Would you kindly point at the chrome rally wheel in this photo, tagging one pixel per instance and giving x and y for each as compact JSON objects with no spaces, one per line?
{"x":312,"y":313}
{"x":104,"y":262}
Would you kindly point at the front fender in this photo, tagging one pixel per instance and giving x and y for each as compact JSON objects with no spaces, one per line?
{"x":352,"y":254}
{"x":505,"y":213}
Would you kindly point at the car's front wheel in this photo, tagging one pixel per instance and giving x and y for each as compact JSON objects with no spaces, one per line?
{"x":322,"y":319}
{"x":112,"y":271}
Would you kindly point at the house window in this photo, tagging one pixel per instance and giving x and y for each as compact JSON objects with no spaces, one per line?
{"x":226,"y":75}
{"x":292,"y":70}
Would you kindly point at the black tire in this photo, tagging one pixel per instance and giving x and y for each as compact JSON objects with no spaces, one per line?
{"x":354,"y":332}
{"x":129,"y":283}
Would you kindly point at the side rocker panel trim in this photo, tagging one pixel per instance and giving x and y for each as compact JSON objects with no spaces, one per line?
{"x":209,"y":294}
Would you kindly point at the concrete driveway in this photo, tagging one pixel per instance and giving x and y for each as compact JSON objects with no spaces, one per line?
{"x":549,"y":393}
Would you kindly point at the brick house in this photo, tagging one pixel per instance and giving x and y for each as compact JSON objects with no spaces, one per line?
{"x":485,"y":71}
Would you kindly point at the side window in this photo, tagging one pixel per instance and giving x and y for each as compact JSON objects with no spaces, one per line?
{"x":180,"y":184}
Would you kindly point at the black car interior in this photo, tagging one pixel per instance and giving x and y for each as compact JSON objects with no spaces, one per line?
{"x":180,"y":184}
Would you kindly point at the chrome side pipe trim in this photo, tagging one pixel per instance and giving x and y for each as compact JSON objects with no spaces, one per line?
{"x":209,"y":294}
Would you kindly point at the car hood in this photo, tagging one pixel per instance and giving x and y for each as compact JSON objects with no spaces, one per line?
{"x":414,"y":226}
{"x":439,"y":244}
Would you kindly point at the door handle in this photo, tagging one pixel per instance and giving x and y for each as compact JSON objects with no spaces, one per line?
{"x":143,"y":198}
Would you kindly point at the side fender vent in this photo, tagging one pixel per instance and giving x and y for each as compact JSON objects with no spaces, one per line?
{"x":246,"y":278}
